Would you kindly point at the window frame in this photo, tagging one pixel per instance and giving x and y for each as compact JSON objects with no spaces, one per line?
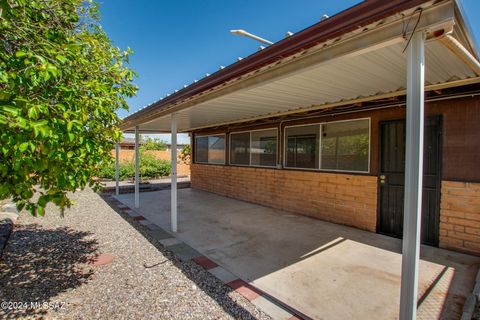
{"x":250,"y":148}
{"x":320,"y":127}
{"x":224,"y":151}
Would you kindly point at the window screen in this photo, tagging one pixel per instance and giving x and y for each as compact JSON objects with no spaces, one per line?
{"x":240,"y":148}
{"x":210,"y":149}
{"x":345,"y":145}
{"x":201,"y":149}
{"x":302,"y":146}
{"x":216,"y":149}
{"x":264,"y":148}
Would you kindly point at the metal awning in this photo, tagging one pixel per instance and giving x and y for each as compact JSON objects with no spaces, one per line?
{"x":369,"y":75}
{"x":363,"y":65}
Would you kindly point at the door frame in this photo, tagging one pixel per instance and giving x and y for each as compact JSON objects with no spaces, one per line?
{"x":439,"y":118}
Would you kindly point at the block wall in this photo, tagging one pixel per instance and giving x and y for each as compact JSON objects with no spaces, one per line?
{"x":460,"y":216}
{"x":341,"y":198}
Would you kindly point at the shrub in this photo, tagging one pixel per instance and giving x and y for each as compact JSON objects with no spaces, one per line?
{"x":150,"y":167}
{"x":154,"y":144}
{"x":107,"y":171}
{"x":126,"y":170}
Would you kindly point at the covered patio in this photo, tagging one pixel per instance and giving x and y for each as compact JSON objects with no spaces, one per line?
{"x":322,"y":270}
{"x":377,"y":54}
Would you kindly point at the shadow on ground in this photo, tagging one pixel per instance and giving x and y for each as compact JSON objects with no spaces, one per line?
{"x":202,"y":278}
{"x":38,"y":264}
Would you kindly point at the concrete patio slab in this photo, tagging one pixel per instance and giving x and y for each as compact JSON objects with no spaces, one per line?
{"x":322,"y":270}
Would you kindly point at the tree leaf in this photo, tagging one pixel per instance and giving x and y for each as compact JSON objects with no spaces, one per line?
{"x":23,"y":146}
{"x":41,"y":211}
{"x":20,"y":54}
{"x":60,"y":88}
{"x":14,"y":111}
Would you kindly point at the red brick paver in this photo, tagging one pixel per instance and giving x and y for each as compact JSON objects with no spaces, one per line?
{"x":245,"y":289}
{"x":205,"y":262}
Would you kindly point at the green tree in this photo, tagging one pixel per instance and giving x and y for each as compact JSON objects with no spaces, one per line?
{"x":61,"y":82}
{"x":186,"y":153}
{"x":154,"y":144}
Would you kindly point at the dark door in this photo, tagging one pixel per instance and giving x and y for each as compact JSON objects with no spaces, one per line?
{"x":392,"y":178}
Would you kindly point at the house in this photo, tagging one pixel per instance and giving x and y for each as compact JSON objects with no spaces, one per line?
{"x":128,"y":143}
{"x":180,"y":146}
{"x":368,"y":118}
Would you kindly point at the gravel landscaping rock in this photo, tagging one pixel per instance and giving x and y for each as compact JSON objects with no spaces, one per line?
{"x":52,"y":260}
{"x":6,"y":226}
{"x":476,"y":313}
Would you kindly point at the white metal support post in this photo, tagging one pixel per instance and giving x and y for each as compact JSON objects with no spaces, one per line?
{"x":137,"y":166}
{"x":117,"y":170}
{"x":413,"y":176}
{"x":174,"y":174}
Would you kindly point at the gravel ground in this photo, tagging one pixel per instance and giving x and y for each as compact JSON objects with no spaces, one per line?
{"x":476,"y":313}
{"x":48,"y":260}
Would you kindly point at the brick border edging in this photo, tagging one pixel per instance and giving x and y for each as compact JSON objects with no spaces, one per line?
{"x":185,"y":252}
{"x":472,"y":300}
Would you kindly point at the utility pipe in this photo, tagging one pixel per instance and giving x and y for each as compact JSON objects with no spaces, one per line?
{"x":241,"y":32}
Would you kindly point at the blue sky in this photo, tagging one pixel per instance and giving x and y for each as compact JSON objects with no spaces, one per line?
{"x":177,"y":41}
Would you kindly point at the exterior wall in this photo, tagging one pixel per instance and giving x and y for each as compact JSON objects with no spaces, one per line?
{"x":461,"y":134}
{"x":460,"y":216}
{"x":340,"y":198}
{"x":183,"y":168}
{"x":351,"y":199}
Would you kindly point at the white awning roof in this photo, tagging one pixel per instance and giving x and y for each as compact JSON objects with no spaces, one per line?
{"x":369,"y":65}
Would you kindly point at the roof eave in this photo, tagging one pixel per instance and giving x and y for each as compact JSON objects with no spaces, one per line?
{"x":465,"y":26}
{"x":346,"y":21}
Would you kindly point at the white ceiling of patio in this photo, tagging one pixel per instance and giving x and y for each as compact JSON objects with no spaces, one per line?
{"x":370,"y":74}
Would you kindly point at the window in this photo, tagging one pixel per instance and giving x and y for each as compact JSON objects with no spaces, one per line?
{"x":210,"y":149}
{"x":302,"y":146}
{"x":345,"y":145}
{"x":201,"y":149}
{"x":240,"y":148}
{"x":342,"y":146}
{"x":264,"y":148}
{"x":256,"y":148}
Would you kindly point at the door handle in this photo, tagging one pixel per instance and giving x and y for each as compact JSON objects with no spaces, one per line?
{"x":382,"y":179}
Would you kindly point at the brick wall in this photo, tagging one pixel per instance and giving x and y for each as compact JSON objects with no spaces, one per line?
{"x":340,"y":198}
{"x":460,"y":216}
